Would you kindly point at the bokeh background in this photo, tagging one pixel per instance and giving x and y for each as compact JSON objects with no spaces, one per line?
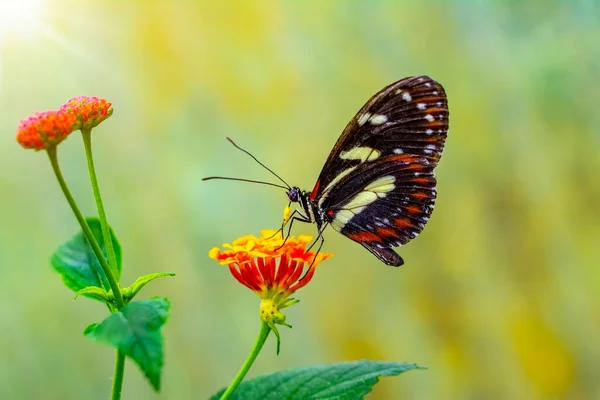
{"x":500,"y":295}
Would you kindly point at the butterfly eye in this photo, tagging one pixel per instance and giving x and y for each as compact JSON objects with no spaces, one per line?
{"x":294,"y":194}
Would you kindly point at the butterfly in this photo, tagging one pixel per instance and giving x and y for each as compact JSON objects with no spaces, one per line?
{"x":378,"y":186}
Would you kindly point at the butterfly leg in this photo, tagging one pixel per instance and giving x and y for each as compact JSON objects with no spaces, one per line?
{"x":293,"y":217}
{"x":322,"y":241}
{"x":286,"y":219}
{"x":278,"y":230}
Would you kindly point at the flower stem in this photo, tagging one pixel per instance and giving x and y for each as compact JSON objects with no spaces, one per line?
{"x":86,"y":134}
{"x":110,"y":249}
{"x":52,"y":155}
{"x":118,"y":378}
{"x":260,"y":341}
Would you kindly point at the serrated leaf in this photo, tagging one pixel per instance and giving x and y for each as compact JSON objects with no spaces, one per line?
{"x":97,"y":293}
{"x":75,"y":261}
{"x":136,"y":331}
{"x":131,"y":291}
{"x":343,"y":381}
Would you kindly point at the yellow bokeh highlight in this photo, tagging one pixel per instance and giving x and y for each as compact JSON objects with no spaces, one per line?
{"x":545,"y":360}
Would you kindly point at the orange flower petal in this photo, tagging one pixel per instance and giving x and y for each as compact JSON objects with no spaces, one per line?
{"x":270,"y":265}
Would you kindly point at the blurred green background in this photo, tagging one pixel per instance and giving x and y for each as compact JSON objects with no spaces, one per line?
{"x":500,"y":295}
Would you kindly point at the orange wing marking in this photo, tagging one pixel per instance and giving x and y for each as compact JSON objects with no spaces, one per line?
{"x":365,"y":237}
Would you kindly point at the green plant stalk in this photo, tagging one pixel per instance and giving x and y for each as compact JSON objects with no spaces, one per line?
{"x":260,"y":341}
{"x":114,"y":285}
{"x":86,"y":134}
{"x":120,"y":361}
{"x":110,"y":249}
{"x":117,"y":386}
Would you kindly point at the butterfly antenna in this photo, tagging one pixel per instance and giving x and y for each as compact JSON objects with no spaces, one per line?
{"x":244,"y":180}
{"x":261,"y":164}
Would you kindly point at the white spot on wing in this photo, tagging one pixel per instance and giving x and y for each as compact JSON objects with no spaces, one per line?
{"x":421,"y":106}
{"x":429,"y":131}
{"x":363,"y":118}
{"x":360,"y":153}
{"x":338,"y":178}
{"x":341,"y":219}
{"x":398,"y":151}
{"x":382,"y":185}
{"x":429,"y":117}
{"x":407,"y":97}
{"x":360,"y":201}
{"x":378,"y":119}
{"x":373,"y":191}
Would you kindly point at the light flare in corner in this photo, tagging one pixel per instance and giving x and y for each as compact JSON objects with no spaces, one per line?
{"x":19,"y":17}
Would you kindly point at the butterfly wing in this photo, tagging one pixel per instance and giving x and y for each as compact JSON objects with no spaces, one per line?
{"x":384,"y":203}
{"x":378,"y":186}
{"x":409,"y":116}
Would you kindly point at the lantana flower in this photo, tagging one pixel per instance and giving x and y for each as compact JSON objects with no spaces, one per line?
{"x":89,"y":110}
{"x":43,"y":130}
{"x":272,"y":267}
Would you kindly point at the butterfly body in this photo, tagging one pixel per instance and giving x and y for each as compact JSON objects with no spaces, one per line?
{"x":378,"y":186}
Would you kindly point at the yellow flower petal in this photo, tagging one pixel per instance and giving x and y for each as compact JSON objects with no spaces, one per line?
{"x":305,"y":238}
{"x":267,"y":233}
{"x":214,"y":253}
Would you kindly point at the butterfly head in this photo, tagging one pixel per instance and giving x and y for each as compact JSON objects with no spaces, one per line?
{"x":309,"y":211}
{"x":294,"y":194}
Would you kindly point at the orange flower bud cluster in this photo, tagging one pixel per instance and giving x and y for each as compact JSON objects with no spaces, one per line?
{"x":45,"y":129}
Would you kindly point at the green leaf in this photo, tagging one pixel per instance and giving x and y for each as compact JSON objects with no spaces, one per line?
{"x":97,"y":293}
{"x":347,"y":381}
{"x":131,"y":291}
{"x":136,"y":331}
{"x":75,"y":261}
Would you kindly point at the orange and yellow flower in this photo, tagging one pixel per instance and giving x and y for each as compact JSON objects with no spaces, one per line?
{"x":271,"y":267}
{"x":42,"y":130}
{"x":89,"y":110}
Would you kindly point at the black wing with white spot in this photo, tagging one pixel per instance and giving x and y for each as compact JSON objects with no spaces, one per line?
{"x":409,"y":117}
